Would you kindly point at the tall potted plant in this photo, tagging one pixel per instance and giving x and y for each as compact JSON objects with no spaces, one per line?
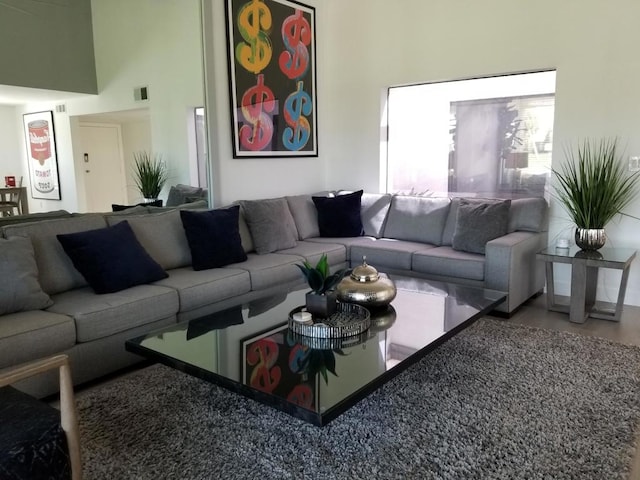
{"x":150,"y":174}
{"x":594,"y":186}
{"x":322,"y":299}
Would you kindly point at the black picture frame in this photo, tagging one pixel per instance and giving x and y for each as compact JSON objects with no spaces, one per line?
{"x":272,"y":78}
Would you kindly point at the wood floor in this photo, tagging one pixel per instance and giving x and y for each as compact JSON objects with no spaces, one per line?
{"x":534,"y":313}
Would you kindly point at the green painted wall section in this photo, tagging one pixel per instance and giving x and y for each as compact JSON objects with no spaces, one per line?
{"x":47,"y":44}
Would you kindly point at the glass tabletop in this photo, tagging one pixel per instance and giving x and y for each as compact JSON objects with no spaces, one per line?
{"x":606,"y":254}
{"x":249,"y":349}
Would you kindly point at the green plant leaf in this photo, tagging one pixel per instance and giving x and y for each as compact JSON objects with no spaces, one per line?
{"x":593,"y":184}
{"x":323,"y":266}
{"x":149,"y":174}
{"x":315,"y":281}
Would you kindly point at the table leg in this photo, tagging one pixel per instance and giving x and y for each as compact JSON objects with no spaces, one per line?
{"x":550,"y":288}
{"x":583,"y":287}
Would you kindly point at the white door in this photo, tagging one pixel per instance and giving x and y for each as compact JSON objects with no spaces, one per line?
{"x":103,"y":166}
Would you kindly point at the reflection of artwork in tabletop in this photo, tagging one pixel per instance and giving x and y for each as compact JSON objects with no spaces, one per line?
{"x":272,"y":78}
{"x":271,"y":363}
{"x":41,"y":155}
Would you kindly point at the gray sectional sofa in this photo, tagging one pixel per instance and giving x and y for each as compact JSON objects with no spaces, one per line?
{"x":408,"y":235}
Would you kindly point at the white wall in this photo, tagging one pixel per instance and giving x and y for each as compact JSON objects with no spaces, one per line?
{"x":136,"y":137}
{"x":137,"y":43}
{"x":372,"y":44}
{"x":10,"y":155}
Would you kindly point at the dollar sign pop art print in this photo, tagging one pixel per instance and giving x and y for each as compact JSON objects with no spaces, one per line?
{"x":272,"y":77}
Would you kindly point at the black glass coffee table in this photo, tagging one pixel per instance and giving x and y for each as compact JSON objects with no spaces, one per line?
{"x":250,"y":350}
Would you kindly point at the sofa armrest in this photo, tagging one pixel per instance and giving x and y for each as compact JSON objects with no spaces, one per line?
{"x":511,"y":267}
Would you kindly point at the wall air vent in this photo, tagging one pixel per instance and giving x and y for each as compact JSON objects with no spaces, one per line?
{"x":61,"y":108}
{"x":141,"y":94}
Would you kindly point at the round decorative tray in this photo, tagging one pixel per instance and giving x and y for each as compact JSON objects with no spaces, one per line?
{"x":349,"y":319}
{"x":330,"y":343}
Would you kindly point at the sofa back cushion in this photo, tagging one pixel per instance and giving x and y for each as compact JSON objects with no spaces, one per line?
{"x":305,"y":215}
{"x":417,"y":219}
{"x":162,"y":236}
{"x":55,"y":269}
{"x":529,"y":215}
{"x":375,"y":208}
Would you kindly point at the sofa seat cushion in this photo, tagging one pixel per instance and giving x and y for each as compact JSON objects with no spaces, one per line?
{"x":386,"y":253}
{"x":97,"y":316}
{"x":199,"y":288}
{"x":270,"y":269}
{"x":448,"y":262}
{"x":26,"y":336}
{"x":312,"y":251}
{"x":348,"y":242}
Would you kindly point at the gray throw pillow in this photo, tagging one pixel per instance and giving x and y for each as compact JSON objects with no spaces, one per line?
{"x":21,"y":290}
{"x":479,"y":221}
{"x":270,"y":223}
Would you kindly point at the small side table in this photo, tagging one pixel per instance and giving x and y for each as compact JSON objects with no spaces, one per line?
{"x":584,"y":280}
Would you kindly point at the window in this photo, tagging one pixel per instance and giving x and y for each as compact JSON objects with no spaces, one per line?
{"x":488,"y":137}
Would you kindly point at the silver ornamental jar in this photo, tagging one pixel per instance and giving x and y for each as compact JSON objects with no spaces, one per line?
{"x":366,"y":287}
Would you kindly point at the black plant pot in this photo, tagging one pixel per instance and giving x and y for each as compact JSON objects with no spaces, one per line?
{"x":322,"y":305}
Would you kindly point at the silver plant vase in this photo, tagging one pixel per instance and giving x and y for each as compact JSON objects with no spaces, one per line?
{"x":590,"y":238}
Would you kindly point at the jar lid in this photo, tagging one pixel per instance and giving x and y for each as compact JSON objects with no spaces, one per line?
{"x":364,"y":273}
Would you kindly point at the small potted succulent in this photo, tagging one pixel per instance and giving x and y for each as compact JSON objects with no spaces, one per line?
{"x":322,"y":299}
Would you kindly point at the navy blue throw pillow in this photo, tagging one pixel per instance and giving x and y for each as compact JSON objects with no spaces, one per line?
{"x":111,"y":259}
{"x":340,"y":216}
{"x":213,"y":236}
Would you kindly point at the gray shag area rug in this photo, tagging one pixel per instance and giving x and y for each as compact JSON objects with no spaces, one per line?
{"x":498,"y":401}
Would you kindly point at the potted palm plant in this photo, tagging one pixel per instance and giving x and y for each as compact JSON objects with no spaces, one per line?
{"x":322,"y":299}
{"x":594,"y":187}
{"x":150,"y":174}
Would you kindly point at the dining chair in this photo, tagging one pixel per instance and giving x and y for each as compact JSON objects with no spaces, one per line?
{"x":14,"y":202}
{"x":37,"y":441}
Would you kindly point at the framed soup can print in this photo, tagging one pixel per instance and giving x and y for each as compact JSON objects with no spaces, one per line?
{"x":40,"y":140}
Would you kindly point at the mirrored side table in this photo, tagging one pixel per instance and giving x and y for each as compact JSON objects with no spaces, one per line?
{"x":584,"y":280}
